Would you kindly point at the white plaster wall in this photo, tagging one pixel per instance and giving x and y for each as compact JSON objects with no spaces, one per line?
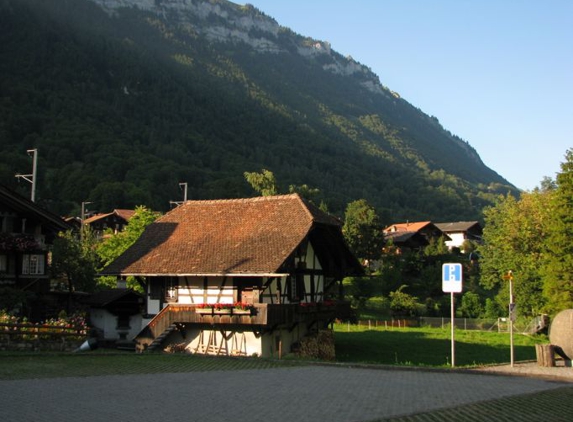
{"x":238,"y":343}
{"x":107,"y":322}
{"x":457,"y":240}
{"x":233,"y":343}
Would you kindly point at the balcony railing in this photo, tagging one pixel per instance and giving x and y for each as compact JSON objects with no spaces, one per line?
{"x":262,"y":316}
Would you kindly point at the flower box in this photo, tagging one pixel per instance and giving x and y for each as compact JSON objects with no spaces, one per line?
{"x":241,"y":312}
{"x":204,"y":311}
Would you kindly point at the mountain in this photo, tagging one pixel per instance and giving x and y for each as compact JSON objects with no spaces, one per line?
{"x":125,"y":99}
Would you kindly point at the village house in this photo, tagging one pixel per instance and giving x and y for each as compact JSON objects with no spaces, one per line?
{"x":461,"y":232}
{"x":26,"y":233}
{"x":240,"y":276}
{"x":413,"y":236}
{"x":115,"y":221}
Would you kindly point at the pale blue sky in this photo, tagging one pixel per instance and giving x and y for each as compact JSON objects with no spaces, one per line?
{"x":497,"y":73}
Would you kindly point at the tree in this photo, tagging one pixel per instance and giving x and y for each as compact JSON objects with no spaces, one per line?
{"x":471,"y":306}
{"x":363,"y":231}
{"x":116,"y":244}
{"x":558,"y":262}
{"x":74,"y":260}
{"x":403,"y":304}
{"x":514,"y":236}
{"x":263,"y":182}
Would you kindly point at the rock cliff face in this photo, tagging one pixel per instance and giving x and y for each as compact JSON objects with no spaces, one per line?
{"x":223,"y":21}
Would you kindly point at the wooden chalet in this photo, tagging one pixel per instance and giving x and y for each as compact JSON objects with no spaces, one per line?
{"x":280,"y":257}
{"x":414,"y":235}
{"x":26,"y":233}
{"x":115,"y":220}
{"x":461,"y":231}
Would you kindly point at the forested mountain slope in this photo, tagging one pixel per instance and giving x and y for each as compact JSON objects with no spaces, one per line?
{"x":124,"y":99}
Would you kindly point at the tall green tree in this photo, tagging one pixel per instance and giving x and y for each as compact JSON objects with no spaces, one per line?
{"x":116,"y":244}
{"x":514,"y":238}
{"x":362,"y":230}
{"x":558,"y":262}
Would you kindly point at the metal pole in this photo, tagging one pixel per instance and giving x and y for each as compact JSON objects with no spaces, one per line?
{"x":31,"y":178}
{"x":511,"y":312}
{"x":34,"y":153}
{"x":453,"y":323}
{"x":83,"y":217}
{"x":184,"y":186}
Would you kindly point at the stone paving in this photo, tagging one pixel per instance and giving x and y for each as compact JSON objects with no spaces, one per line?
{"x":304,"y":394}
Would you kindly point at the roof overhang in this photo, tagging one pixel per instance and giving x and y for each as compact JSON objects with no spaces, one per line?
{"x":282,"y":275}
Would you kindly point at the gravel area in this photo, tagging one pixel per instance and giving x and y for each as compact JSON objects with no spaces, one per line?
{"x":559,"y":372}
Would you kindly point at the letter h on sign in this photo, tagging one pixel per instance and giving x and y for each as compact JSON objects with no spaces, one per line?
{"x":452,"y":278}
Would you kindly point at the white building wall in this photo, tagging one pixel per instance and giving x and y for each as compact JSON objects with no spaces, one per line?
{"x":457,"y":240}
{"x":107,"y":323}
{"x":237,"y":343}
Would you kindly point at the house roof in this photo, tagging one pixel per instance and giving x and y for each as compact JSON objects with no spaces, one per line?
{"x":458,"y":226}
{"x":106,"y":297}
{"x":29,"y":209}
{"x":237,"y":237}
{"x":407,"y":227}
{"x":124,"y":214}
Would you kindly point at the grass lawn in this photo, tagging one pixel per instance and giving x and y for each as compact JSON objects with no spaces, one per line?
{"x":406,"y":346}
{"x":429,"y":346}
{"x":101,"y":362}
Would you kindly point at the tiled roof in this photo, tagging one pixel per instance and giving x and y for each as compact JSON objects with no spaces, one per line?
{"x":458,"y":226}
{"x":125,"y":214}
{"x":106,"y":297}
{"x":234,"y":236}
{"x":407,"y":227}
{"x":28,"y":209}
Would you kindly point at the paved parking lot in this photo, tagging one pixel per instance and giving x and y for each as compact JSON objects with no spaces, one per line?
{"x":314,"y":393}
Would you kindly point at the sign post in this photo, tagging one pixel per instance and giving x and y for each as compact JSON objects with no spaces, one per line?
{"x":509,"y":276}
{"x":452,"y":283}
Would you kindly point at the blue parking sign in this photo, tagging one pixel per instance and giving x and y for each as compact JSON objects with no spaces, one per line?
{"x":452,"y":278}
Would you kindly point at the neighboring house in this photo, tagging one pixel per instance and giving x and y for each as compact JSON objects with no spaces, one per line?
{"x":26,"y":233}
{"x":460,"y":232}
{"x":115,"y":220}
{"x":116,"y":314}
{"x":413,"y":236}
{"x":280,"y":256}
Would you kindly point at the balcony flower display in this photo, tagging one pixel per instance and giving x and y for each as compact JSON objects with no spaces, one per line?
{"x":237,"y":308}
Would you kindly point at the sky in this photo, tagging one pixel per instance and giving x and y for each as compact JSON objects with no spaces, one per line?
{"x":496,"y":73}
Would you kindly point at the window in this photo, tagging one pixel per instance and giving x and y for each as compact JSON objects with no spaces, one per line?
{"x":33,"y":264}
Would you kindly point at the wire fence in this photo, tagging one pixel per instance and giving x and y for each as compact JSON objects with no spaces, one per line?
{"x":479,"y":324}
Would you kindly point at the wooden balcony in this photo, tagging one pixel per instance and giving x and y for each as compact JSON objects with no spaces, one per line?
{"x":264,"y":316}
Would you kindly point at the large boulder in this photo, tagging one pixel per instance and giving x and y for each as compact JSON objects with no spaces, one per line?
{"x":561,"y":332}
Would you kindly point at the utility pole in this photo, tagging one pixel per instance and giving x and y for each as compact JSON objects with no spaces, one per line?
{"x":182,"y":185}
{"x":83,"y":217}
{"x":31,"y":178}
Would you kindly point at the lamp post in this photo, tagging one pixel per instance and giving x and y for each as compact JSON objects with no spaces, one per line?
{"x":31,"y":178}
